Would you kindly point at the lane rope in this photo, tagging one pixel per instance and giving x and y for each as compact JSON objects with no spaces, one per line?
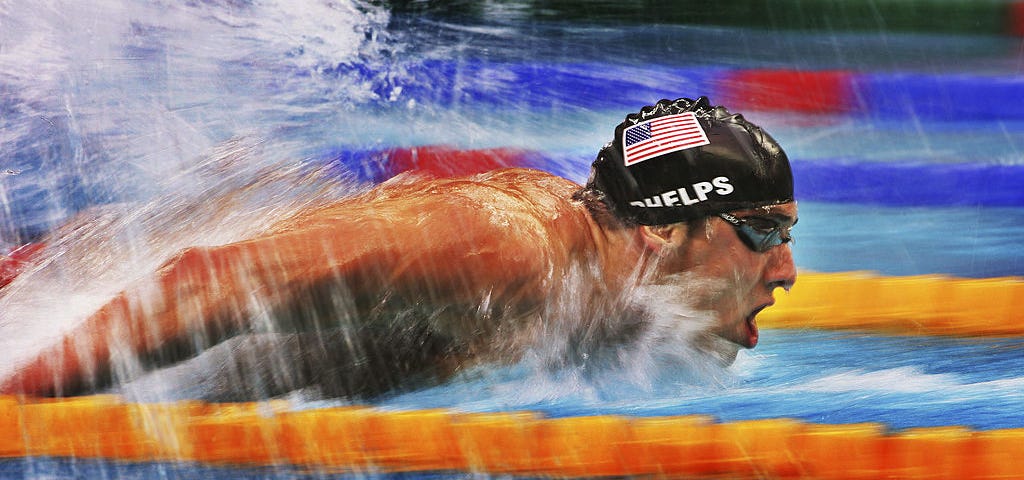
{"x":365,"y":439}
{"x":913,"y":305}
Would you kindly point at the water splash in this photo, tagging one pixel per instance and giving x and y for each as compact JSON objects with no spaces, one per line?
{"x":576,"y":346}
{"x":226,"y":197}
{"x":103,"y":102}
{"x":657,"y":352}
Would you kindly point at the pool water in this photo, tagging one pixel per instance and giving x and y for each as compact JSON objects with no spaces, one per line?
{"x":816,"y":376}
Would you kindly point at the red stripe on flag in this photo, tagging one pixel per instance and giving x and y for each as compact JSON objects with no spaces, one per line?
{"x":669,"y":126}
{"x":670,"y":134}
{"x":664,"y":149}
{"x":674,"y":120}
{"x":640,"y":148}
{"x":674,"y":129}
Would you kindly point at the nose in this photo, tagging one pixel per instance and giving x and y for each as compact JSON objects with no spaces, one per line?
{"x":780,"y":271}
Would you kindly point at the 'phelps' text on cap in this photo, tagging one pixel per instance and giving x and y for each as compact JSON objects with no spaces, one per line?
{"x":682,"y":196}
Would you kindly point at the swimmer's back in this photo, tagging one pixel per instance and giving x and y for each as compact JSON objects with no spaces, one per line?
{"x":512,"y":190}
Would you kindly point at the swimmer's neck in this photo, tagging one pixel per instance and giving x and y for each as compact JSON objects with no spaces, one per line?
{"x":621,"y":253}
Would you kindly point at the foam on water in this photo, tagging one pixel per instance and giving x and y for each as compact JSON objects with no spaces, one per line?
{"x":894,"y":380}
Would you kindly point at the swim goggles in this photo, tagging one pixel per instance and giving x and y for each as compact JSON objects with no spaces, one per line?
{"x":759,"y":233}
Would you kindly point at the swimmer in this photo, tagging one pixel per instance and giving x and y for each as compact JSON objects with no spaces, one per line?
{"x":419,"y":279}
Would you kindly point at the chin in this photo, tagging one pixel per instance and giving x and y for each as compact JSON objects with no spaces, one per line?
{"x":720,"y":348}
{"x":728,"y":355}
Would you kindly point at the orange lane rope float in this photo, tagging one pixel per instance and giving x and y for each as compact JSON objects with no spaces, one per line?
{"x":357,"y":439}
{"x":925,"y":304}
{"x":360,"y":439}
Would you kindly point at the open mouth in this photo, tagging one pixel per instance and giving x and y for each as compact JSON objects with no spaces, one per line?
{"x":752,"y":333}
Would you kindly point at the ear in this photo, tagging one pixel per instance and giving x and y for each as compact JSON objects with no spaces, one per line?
{"x":663,"y":238}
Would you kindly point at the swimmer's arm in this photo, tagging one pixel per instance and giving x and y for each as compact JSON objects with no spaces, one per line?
{"x":452,"y":251}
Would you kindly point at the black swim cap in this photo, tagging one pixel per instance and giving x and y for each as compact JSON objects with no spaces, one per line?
{"x":685,"y":159}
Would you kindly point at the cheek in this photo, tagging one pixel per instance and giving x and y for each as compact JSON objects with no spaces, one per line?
{"x":722,"y":273}
{"x":747,"y":279}
{"x":735,"y":286}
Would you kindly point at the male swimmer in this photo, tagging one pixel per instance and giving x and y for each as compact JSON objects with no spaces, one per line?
{"x":418,"y":279}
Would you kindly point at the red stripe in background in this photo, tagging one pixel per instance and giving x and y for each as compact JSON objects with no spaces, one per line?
{"x":12,"y":264}
{"x":804,"y":91}
{"x":1016,"y":19}
{"x":443,"y":161}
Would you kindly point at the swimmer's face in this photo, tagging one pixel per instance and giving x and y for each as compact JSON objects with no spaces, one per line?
{"x":737,"y":282}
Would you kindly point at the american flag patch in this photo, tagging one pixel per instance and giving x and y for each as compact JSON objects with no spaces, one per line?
{"x":662,"y":135}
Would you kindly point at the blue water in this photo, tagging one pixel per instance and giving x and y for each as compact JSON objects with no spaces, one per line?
{"x":960,"y":241}
{"x":816,"y":376}
{"x":114,"y":104}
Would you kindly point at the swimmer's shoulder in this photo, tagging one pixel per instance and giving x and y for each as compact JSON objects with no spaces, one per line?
{"x":505,"y":186}
{"x":530,"y":181}
{"x":545,"y":199}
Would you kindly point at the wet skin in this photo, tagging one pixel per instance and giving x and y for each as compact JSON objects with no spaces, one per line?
{"x":416,"y":279}
{"x":438,"y":263}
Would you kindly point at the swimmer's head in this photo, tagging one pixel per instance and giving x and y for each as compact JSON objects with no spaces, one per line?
{"x":680,"y":160}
